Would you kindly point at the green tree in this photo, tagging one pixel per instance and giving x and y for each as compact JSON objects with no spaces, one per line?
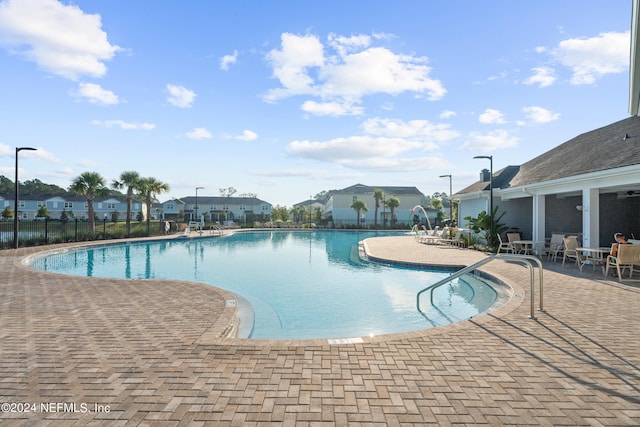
{"x":359,"y":206}
{"x":378,"y":195}
{"x":131,"y":181}
{"x":43,"y":212}
{"x":148,"y":189}
{"x":7,"y":213}
{"x":482,"y":225}
{"x":392,"y":203}
{"x":90,"y":185}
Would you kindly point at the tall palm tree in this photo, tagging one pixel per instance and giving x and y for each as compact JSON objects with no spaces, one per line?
{"x":392,"y":203}
{"x":359,"y":206}
{"x":377,"y":196}
{"x":149,"y":188}
{"x":129,"y":180}
{"x":90,"y":185}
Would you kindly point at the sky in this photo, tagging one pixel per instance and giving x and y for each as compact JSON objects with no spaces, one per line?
{"x":284,"y":99}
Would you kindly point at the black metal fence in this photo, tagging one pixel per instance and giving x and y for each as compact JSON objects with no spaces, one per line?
{"x":50,"y":231}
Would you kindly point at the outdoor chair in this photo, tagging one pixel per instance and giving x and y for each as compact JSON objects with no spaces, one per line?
{"x":628,"y":256}
{"x":556,"y":246}
{"x":507,"y":247}
{"x":512,"y":237}
{"x":570,"y":250}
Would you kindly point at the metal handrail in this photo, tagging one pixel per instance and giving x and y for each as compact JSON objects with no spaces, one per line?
{"x":507,"y":257}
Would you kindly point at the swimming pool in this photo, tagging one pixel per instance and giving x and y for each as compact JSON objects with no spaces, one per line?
{"x":300,"y":284}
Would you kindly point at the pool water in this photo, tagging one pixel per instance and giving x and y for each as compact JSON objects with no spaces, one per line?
{"x":300,"y":284}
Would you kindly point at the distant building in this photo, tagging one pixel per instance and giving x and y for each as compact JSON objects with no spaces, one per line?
{"x":339,"y":209}
{"x":217,"y":209}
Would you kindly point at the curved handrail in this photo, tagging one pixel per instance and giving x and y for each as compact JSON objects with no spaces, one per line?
{"x":507,"y":257}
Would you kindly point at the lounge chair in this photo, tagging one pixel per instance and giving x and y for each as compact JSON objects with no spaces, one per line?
{"x":455,"y":240}
{"x":436,"y":237}
{"x":570,"y":250}
{"x":504,"y":246}
{"x":556,"y":246}
{"x":627,"y":256}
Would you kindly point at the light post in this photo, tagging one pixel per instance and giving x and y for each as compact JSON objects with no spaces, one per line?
{"x":15,"y":205}
{"x":310,"y":211}
{"x":490,"y":195}
{"x":450,"y":197}
{"x":196,"y":209}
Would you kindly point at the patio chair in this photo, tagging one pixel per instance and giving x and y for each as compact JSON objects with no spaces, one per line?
{"x":504,"y":246}
{"x":556,"y":246}
{"x":512,"y":237}
{"x":628,"y":256}
{"x":436,"y":237}
{"x":570,"y":250}
{"x":455,"y":240}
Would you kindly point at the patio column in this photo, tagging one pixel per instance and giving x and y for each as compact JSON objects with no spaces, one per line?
{"x":590,"y":217}
{"x":538,"y":227}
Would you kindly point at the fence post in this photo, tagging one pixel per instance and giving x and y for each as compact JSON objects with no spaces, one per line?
{"x":75,"y":238}
{"x":46,"y":230}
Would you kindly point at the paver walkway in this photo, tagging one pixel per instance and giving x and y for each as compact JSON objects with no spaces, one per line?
{"x":113,"y":352}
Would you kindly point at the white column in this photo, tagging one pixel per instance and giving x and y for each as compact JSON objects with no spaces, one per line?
{"x":590,"y":217}
{"x":538,"y":226}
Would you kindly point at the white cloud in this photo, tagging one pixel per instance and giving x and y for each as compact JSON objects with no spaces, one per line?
{"x":352,"y":68}
{"x":490,"y":141}
{"x":592,"y":58}
{"x":419,"y":130}
{"x":491,"y":116}
{"x":447,"y":114}
{"x":540,"y":115}
{"x":95,"y":94}
{"x":542,"y":76}
{"x":198,"y":133}
{"x":355,"y":147}
{"x":247,"y":135}
{"x":332,"y":108}
{"x":124,"y":125}
{"x":228,"y":60}
{"x":180,"y":96}
{"x":60,"y":39}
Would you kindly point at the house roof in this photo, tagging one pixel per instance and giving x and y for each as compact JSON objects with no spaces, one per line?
{"x":365,"y":189}
{"x":219,"y":200}
{"x":613,"y":146}
{"x":501,"y":179}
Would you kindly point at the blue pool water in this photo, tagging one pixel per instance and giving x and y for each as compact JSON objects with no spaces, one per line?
{"x":301,"y":284}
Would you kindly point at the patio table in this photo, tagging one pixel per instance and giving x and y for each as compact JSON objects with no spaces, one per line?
{"x":593,"y":256}
{"x":528,"y":246}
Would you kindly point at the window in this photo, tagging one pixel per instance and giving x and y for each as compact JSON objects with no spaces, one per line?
{"x":111,"y":205}
{"x":21,"y":203}
{"x":68,"y":205}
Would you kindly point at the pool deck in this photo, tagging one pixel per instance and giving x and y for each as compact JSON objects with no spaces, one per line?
{"x":150,"y":352}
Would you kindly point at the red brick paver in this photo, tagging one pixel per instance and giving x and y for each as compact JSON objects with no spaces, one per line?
{"x":152,"y":352}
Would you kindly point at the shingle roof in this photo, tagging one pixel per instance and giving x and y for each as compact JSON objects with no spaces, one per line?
{"x":501,"y":179}
{"x":597,"y":150}
{"x":365,"y":189}
{"x":612,"y":146}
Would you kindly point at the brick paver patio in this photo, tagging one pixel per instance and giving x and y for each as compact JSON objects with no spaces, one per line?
{"x":147,"y":352}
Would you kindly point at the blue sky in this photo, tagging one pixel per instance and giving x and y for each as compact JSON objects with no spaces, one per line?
{"x":284,"y":99}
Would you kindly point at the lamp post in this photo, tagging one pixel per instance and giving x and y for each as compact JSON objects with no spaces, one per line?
{"x":196,"y":209}
{"x":450,"y":197}
{"x":490,"y":195}
{"x":310,"y":210}
{"x":15,"y":205}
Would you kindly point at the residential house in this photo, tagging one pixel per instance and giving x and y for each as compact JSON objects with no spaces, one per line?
{"x":308,"y":205}
{"x":339,"y":209}
{"x":217,"y":209}
{"x":589,"y":185}
{"x":74,"y":205}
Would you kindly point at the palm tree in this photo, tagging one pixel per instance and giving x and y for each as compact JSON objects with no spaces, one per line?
{"x":359,"y":206}
{"x":129,"y":180}
{"x":392,"y":203}
{"x":90,"y":185}
{"x":149,"y":188}
{"x":377,"y":196}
